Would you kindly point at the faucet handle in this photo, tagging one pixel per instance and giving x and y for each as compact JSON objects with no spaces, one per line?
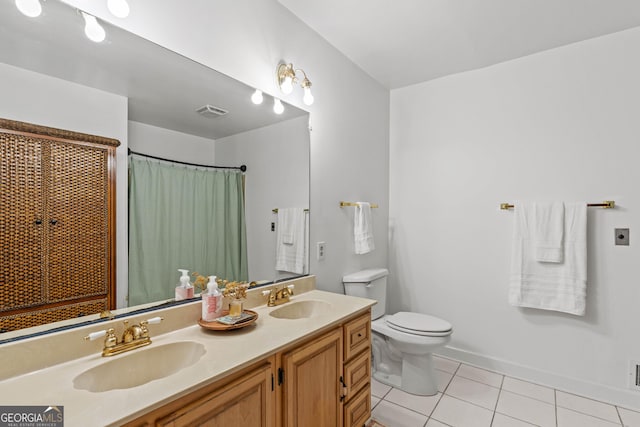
{"x":154,"y":320}
{"x":265,"y":293}
{"x":95,"y":335}
{"x":290,"y":287}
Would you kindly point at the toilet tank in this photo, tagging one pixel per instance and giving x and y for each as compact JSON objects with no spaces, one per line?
{"x":370,"y":284}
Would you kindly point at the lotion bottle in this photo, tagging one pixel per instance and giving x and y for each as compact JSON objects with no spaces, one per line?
{"x":185,"y":289}
{"x":211,"y":301}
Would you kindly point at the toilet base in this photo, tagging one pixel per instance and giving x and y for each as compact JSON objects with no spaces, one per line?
{"x":414,"y":374}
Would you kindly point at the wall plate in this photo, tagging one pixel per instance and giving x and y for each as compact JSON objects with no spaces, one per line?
{"x":622,"y":237}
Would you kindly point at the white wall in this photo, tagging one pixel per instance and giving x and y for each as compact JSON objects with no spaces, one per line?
{"x":47,"y":101}
{"x":246,"y":39}
{"x":562,"y":124}
{"x":169,"y":144}
{"x":272,"y":181}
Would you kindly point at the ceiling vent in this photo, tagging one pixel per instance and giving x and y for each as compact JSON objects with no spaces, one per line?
{"x":211,"y":111}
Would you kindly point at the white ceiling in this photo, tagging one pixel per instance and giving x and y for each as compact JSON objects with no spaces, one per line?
{"x":403,"y":42}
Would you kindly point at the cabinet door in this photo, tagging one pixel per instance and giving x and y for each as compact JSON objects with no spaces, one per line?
{"x":78,"y":221}
{"x":245,"y":402}
{"x":311,"y":394}
{"x":21,"y":222}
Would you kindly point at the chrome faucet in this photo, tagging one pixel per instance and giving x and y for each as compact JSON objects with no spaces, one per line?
{"x":134,"y":336}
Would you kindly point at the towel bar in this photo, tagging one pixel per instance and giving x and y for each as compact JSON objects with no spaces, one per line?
{"x":275,"y":210}
{"x":343,"y":204}
{"x":607,"y":204}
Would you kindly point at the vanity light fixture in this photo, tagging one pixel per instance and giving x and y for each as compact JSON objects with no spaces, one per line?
{"x":257,"y":97}
{"x":92,"y":28}
{"x":278,"y":108}
{"x":286,"y":75}
{"x":118,"y":8}
{"x":30,"y":8}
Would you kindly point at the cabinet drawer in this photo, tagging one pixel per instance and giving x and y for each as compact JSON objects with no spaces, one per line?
{"x":358,"y":410}
{"x":357,"y":373}
{"x":357,"y":336}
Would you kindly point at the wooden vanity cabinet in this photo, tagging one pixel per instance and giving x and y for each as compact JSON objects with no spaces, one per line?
{"x":244,"y":399}
{"x":324,"y":381}
{"x":58,"y":224}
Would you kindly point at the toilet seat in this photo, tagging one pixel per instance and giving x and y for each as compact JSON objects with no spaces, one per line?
{"x":419,"y":324}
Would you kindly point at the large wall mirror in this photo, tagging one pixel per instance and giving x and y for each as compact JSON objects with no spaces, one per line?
{"x":157,"y":93}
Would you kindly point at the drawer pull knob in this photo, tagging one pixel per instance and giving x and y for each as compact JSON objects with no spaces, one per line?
{"x":359,"y":335}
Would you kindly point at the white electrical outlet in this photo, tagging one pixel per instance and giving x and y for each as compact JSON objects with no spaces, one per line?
{"x":321,"y":248}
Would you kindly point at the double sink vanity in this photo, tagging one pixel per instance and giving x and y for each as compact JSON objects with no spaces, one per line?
{"x":305,"y":362}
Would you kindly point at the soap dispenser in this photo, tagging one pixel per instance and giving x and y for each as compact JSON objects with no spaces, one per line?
{"x":211,"y":301}
{"x":185,"y":289}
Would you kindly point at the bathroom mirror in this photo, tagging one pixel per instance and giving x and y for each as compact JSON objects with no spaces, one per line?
{"x":162,"y":90}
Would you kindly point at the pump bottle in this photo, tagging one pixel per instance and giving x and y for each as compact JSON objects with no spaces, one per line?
{"x":211,"y":301}
{"x":185,"y":289}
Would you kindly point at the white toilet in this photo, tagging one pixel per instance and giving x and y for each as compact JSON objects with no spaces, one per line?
{"x":402,"y":342}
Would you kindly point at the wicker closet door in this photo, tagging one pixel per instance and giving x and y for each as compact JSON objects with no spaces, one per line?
{"x":78,"y":221}
{"x":22,"y":222}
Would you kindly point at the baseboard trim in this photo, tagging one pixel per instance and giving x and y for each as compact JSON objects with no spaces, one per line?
{"x":619,"y":397}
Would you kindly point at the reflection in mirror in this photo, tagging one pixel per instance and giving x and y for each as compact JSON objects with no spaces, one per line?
{"x":147,"y":96}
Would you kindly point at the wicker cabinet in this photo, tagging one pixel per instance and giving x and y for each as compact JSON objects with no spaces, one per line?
{"x":57,"y":224}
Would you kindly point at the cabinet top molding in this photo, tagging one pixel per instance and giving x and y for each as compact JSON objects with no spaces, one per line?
{"x":16,"y":126}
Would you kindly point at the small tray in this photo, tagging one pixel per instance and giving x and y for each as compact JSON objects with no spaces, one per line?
{"x":217,"y":326}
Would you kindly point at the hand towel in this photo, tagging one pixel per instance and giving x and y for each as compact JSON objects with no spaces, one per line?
{"x":548,"y":222}
{"x":544,"y":285}
{"x":291,"y":240}
{"x":363,"y":228}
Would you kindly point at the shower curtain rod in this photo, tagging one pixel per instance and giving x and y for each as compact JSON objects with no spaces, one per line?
{"x":243,"y":168}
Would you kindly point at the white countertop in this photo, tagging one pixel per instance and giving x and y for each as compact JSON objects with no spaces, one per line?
{"x":226,"y":352}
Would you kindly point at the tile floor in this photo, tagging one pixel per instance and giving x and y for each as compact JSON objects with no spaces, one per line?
{"x":473,"y":397}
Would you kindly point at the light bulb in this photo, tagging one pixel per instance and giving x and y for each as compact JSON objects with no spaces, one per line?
{"x":257,"y":97}
{"x":308,"y":97}
{"x":278,"y":108}
{"x":92,"y":29}
{"x":119,"y":8}
{"x":30,"y":8}
{"x":287,"y":85}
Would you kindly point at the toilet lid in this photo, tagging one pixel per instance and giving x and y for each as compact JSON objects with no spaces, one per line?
{"x":419,"y":324}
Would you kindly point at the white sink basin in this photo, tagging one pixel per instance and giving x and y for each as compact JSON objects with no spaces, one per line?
{"x":301,"y":309}
{"x":140,"y":366}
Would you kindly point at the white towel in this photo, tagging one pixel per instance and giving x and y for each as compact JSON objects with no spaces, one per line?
{"x":363,"y":228}
{"x":291,"y":240}
{"x":548,"y":223}
{"x":544,"y":285}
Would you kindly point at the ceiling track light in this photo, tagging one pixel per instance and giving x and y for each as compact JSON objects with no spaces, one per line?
{"x":30,"y":8}
{"x":92,"y":29}
{"x":286,"y":75}
{"x":278,"y":108}
{"x":257,"y":97}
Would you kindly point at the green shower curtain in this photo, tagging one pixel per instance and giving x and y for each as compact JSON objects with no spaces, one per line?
{"x":183,"y":217}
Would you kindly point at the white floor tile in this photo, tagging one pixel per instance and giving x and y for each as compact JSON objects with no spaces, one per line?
{"x":378,"y":389}
{"x":392,"y":415}
{"x":444,"y":364}
{"x":528,"y":389}
{"x":421,"y":404}
{"x":458,"y":413}
{"x":587,"y":406}
{"x":526,"y":409}
{"x":444,"y":378}
{"x":569,"y":418}
{"x":481,"y":375}
{"x":629,"y":418}
{"x":374,"y":401}
{"x":473,"y":392}
{"x":434,"y":423}
{"x":500,"y":420}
